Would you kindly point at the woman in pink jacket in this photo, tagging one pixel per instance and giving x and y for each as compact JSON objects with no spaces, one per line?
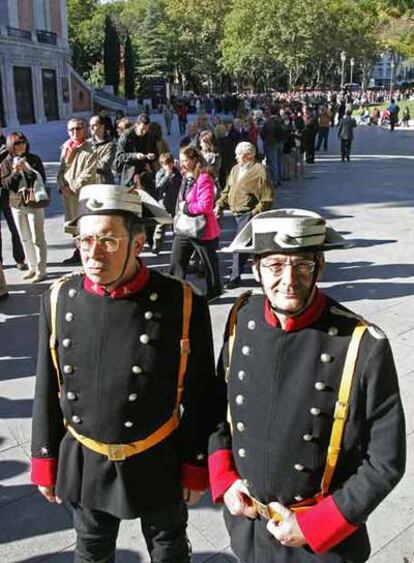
{"x":196,"y":197}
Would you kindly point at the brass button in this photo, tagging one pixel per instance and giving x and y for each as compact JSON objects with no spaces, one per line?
{"x":326,"y":358}
{"x":66,"y":342}
{"x":44,"y":451}
{"x":251,"y":325}
{"x":246,"y":350}
{"x":299,"y":467}
{"x":69,"y":317}
{"x":128,"y":424}
{"x":68,"y":369}
{"x":72,"y":292}
{"x":319,"y":386}
{"x":71,"y":396}
{"x":239,"y":400}
{"x":132,"y":397}
{"x":241,"y":375}
{"x":154,"y":296}
{"x":242,"y":452}
{"x":308,"y":437}
{"x":315,"y":411}
{"x":298,"y":498}
{"x":148,"y":315}
{"x":333,"y":331}
{"x":240,"y":427}
{"x":76,"y":419}
{"x":136,"y":369}
{"x":144,"y":338}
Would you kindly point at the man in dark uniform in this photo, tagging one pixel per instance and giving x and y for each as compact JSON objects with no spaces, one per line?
{"x":312,"y":436}
{"x":120,"y":427}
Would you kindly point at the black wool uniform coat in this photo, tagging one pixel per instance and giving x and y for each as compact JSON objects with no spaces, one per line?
{"x":119,"y":361}
{"x":282,"y":389}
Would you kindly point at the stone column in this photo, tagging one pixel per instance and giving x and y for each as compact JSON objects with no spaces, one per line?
{"x":38,"y":100}
{"x":13,"y":13}
{"x":64,"y":21}
{"x":9,"y":101}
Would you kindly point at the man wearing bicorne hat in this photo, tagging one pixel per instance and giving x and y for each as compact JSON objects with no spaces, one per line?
{"x":312,"y":434}
{"x":124,"y":390}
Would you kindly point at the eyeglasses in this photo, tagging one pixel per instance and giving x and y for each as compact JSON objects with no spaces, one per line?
{"x":302,"y":268}
{"x":107,"y":243}
{"x":18,"y":143}
{"x":70,"y":129}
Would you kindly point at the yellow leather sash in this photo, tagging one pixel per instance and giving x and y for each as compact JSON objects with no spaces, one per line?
{"x":340,"y":413}
{"x":119,"y":452}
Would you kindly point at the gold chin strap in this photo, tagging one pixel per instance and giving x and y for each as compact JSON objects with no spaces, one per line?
{"x":120,"y":452}
{"x":340,"y":413}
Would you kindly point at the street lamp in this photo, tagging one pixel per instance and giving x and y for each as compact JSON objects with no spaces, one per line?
{"x":343,"y":59}
{"x":392,"y":64}
{"x":352,"y":62}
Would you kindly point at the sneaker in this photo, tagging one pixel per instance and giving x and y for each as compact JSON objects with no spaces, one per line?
{"x":38,"y":278}
{"x":74,"y":260}
{"x":21,"y":266}
{"x":28,"y":275}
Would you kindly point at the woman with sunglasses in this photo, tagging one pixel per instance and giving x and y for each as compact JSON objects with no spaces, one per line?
{"x":18,"y":172}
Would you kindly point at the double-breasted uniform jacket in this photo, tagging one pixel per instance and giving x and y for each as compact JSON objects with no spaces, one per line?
{"x":119,"y":356}
{"x":282,"y":389}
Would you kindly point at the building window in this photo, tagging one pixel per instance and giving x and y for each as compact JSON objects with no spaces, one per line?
{"x":41,"y":14}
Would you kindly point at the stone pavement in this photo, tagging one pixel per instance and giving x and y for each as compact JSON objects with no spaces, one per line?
{"x":370,"y":200}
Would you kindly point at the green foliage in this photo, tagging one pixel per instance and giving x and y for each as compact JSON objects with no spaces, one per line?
{"x":112,"y":54}
{"x":154,"y":42}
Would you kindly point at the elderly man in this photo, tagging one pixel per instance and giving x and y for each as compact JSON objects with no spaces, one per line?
{"x":248,"y":191}
{"x":312,"y":436}
{"x":77,"y":168}
{"x":124,"y":389}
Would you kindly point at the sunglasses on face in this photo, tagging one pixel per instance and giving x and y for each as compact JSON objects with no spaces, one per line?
{"x":71,"y":129}
{"x":18,"y":143}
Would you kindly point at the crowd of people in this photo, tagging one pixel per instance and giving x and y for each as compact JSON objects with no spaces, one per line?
{"x":223,"y":162}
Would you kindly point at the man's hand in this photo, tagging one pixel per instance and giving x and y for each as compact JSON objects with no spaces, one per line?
{"x":190,"y":496}
{"x":49,"y":494}
{"x":287,"y":532}
{"x":237,"y":499}
{"x":151,"y":156}
{"x":140,"y":156}
{"x":65,"y":189}
{"x":217,"y":212}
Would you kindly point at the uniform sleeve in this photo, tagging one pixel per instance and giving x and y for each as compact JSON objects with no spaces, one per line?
{"x":221,"y":464}
{"x":47,"y":424}
{"x":383,"y":461}
{"x":200,"y":412}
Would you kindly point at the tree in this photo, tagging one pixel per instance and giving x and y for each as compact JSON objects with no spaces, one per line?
{"x":154,"y":43}
{"x":129,"y":70}
{"x":112,"y":54}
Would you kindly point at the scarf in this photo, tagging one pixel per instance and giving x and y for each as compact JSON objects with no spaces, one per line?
{"x":69,"y":146}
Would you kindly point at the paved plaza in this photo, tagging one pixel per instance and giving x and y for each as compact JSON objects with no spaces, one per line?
{"x":369,"y":200}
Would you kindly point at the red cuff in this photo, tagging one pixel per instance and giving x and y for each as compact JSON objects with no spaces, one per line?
{"x":222,"y":473}
{"x":194,"y":478}
{"x":44,"y":471}
{"x":324,"y":526}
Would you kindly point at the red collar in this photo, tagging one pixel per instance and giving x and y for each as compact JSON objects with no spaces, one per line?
{"x":133,"y":286}
{"x":310,"y":315}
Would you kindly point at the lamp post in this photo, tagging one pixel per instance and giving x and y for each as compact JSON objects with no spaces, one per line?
{"x":352,"y":63}
{"x":392,"y":78}
{"x":343,"y":59}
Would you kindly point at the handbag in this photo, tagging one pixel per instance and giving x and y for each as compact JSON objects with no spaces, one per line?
{"x":189,"y":225}
{"x":36,"y":195}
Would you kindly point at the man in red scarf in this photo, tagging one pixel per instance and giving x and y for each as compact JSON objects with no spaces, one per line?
{"x":77,"y":169}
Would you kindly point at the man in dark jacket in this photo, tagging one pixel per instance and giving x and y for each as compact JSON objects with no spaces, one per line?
{"x":346,"y":134}
{"x":124,"y":388}
{"x":137,"y":152}
{"x":273,"y":138}
{"x":312,"y":436}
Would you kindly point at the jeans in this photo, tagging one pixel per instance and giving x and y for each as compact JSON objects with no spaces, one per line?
{"x":30,"y":224}
{"x":182,"y":249}
{"x":164,"y":530}
{"x":323,"y":137}
{"x":274,"y":155}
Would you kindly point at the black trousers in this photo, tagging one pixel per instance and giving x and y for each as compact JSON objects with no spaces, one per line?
{"x":239,"y":259}
{"x":345,"y":149}
{"x":164,"y":531}
{"x":18,"y":252}
{"x":323,"y":137}
{"x":182,"y":249}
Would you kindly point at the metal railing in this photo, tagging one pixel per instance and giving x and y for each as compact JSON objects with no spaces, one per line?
{"x":18,"y":33}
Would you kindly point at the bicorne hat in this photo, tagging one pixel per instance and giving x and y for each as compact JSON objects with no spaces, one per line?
{"x":286,"y":231}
